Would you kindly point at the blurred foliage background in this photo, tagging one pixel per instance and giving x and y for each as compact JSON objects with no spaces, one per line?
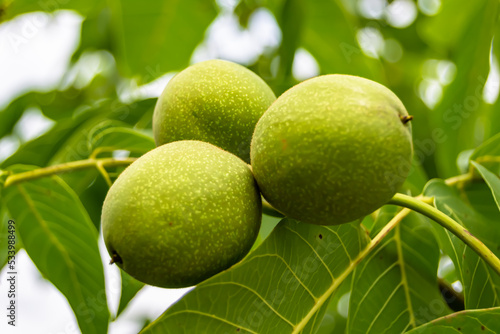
{"x":436,"y":55}
{"x":439,"y":56}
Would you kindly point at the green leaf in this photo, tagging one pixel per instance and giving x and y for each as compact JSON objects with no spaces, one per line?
{"x":490,"y":147}
{"x":121,"y":138}
{"x":335,"y":318}
{"x":111,"y":115}
{"x":463,"y":161}
{"x":156,"y":37}
{"x":488,"y":153}
{"x":491,"y":116}
{"x":3,"y":176}
{"x":92,"y":197}
{"x":291,"y":23}
{"x":40,"y":150}
{"x":281,"y":287}
{"x":130,"y":287}
{"x":17,"y":7}
{"x":481,"y":285}
{"x":95,"y":33}
{"x":468,"y":321}
{"x":416,"y":180}
{"x":460,"y":108}
{"x":491,"y":179}
{"x":395,"y":288}
{"x":62,"y":242}
{"x":10,"y":115}
{"x":3,"y":234}
{"x":81,"y":144}
{"x":437,"y":30}
{"x":329,"y":34}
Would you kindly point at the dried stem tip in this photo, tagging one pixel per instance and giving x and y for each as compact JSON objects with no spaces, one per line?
{"x":405,"y":119}
{"x":115,"y":258}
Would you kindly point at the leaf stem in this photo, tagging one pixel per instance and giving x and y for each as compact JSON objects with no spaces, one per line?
{"x":470,"y":176}
{"x":66,"y":167}
{"x":361,"y":255}
{"x":451,"y":225}
{"x":459,"y":180}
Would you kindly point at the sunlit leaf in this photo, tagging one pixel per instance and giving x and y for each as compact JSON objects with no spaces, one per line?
{"x":395,"y":288}
{"x":62,"y":242}
{"x":468,"y":321}
{"x":282,"y":287}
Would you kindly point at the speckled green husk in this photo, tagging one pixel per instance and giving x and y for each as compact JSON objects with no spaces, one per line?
{"x":332,"y":149}
{"x":215,"y":101}
{"x":181,"y":213}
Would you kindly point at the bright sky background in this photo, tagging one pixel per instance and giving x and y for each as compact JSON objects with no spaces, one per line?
{"x":34,"y":55}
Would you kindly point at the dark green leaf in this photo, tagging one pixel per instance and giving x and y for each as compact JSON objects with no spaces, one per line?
{"x":120,"y":138}
{"x":468,"y":321}
{"x":96,"y":33}
{"x":291,"y":22}
{"x":282,"y":286}
{"x":40,"y":150}
{"x":93,"y":196}
{"x":330,"y":35}
{"x":13,"y":8}
{"x":62,"y":242}
{"x":10,"y":115}
{"x":155,"y":37}
{"x":416,"y":180}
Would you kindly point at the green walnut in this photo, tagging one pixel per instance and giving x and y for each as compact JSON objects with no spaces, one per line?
{"x":332,"y":149}
{"x":215,"y":101}
{"x":181,"y":213}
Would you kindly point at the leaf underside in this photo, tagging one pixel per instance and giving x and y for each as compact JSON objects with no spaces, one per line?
{"x":282,"y":287}
{"x":62,"y":242}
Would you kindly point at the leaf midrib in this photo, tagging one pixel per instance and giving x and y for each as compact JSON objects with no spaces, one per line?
{"x":57,"y":244}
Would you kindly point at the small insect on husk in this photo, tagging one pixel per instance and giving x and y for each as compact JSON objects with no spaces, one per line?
{"x":406,"y":118}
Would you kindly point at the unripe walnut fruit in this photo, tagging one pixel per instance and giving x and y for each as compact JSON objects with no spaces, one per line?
{"x":215,"y":101}
{"x":332,"y":149}
{"x":181,"y":213}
